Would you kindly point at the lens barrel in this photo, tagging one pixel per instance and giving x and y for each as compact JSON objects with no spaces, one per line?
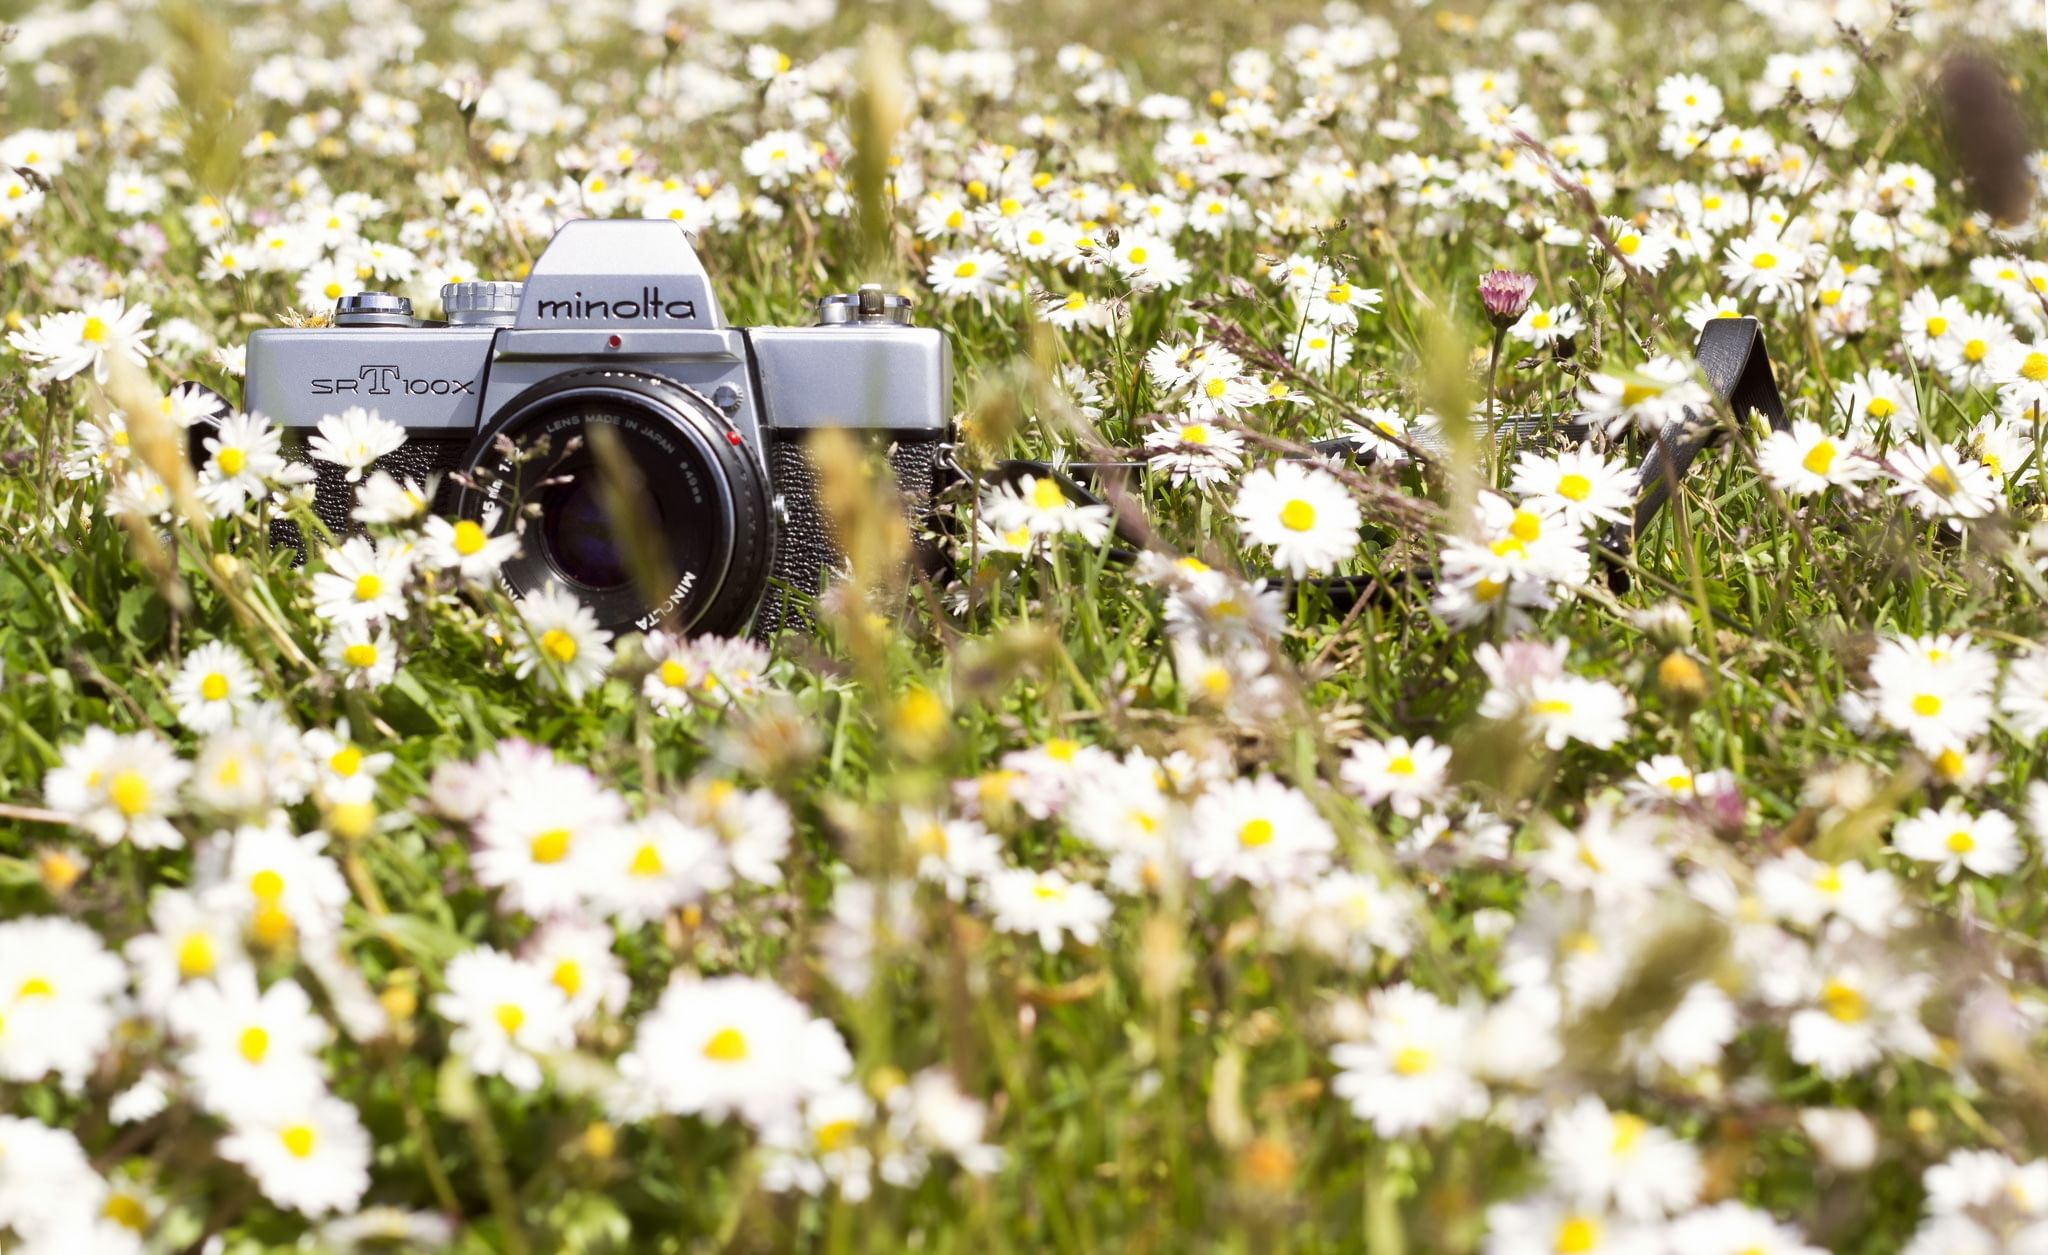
{"x":682,"y":536}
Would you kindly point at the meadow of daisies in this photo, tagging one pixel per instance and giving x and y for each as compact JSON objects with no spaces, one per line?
{"x":1130,"y":883}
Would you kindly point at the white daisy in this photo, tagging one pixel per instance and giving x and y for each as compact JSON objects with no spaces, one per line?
{"x":57,"y":986}
{"x":731,"y":1046}
{"x":561,"y":641}
{"x":1953,"y":839}
{"x":1048,"y":905}
{"x":1258,"y":830}
{"x":214,"y":685}
{"x":1308,"y":518}
{"x":364,"y":581}
{"x":507,"y":1015}
{"x":118,"y":786}
{"x":354,"y":439}
{"x":1407,"y":776}
{"x":312,"y":1157}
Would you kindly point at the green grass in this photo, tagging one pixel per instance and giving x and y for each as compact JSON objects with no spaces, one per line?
{"x":1167,"y":1089}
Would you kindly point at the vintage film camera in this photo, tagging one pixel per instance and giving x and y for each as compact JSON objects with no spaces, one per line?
{"x":617,"y":325}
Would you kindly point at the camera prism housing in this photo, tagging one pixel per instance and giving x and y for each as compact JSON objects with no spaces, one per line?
{"x":617,"y":324}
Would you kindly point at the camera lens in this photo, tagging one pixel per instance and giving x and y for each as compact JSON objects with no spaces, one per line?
{"x":632,"y":492}
{"x":579,"y":537}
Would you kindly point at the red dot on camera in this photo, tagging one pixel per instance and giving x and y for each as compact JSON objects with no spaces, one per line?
{"x":732,"y":437}
{"x":612,"y":342}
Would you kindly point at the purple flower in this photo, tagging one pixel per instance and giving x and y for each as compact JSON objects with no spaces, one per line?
{"x":1506,"y":293}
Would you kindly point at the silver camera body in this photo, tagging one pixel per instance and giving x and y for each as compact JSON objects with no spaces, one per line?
{"x":617,"y":324}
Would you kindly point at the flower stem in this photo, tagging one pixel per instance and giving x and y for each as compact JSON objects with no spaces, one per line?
{"x":1492,"y":417}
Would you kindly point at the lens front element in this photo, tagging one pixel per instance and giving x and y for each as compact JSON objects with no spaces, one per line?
{"x":670,"y":526}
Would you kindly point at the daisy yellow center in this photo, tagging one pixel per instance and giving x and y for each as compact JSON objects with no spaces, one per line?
{"x":468,"y":538}
{"x":1411,"y":1061}
{"x":1937,"y":326}
{"x":367,"y":587}
{"x":1764,"y":261}
{"x":646,"y":862}
{"x":1880,"y":407}
{"x":1628,"y":244}
{"x":1574,"y":487}
{"x":1974,"y":350}
{"x":1046,"y":495}
{"x":1487,"y":590}
{"x":1961,"y":842}
{"x":965,"y":270}
{"x":332,"y":291}
{"x":1527,"y":526}
{"x":266,"y":886}
{"x":35,"y":987}
{"x":346,"y":761}
{"x":214,"y":686}
{"x":551,"y":846}
{"x":1637,"y":393}
{"x":231,"y":461}
{"x":362,"y":655}
{"x":129,"y":793}
{"x":1577,"y":1235}
{"x":127,"y":1211}
{"x":835,"y":1135}
{"x":1401,"y":766}
{"x":195,"y":956}
{"x":1507,"y":545}
{"x":1194,"y":434}
{"x":1829,"y":880}
{"x":509,"y":1017}
{"x":1256,"y":833}
{"x":1927,"y":705}
{"x":1950,"y":764}
{"x":94,"y":331}
{"x":1551,"y":706}
{"x":271,"y":927}
{"x":298,"y":1139}
{"x":1539,"y":320}
{"x":1842,"y":1002}
{"x":559,"y":645}
{"x":674,"y":674}
{"x":727,"y":1045}
{"x":1628,"y":1128}
{"x":568,"y":977}
{"x":1062,"y":750}
{"x":2035,"y":368}
{"x":254,"y":1043}
{"x":1138,"y":256}
{"x":1297,"y":515}
{"x":1678,"y":782}
{"x":1216,"y":387}
{"x":1819,"y":458}
{"x":1340,"y":294}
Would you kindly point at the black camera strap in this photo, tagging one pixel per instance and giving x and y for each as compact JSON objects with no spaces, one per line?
{"x":1730,"y":351}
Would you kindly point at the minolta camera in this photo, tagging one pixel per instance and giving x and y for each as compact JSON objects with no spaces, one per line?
{"x":617,"y":325}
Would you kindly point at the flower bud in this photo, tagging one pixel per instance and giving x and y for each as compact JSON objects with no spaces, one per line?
{"x":1680,"y":679}
{"x":1505,"y":293}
